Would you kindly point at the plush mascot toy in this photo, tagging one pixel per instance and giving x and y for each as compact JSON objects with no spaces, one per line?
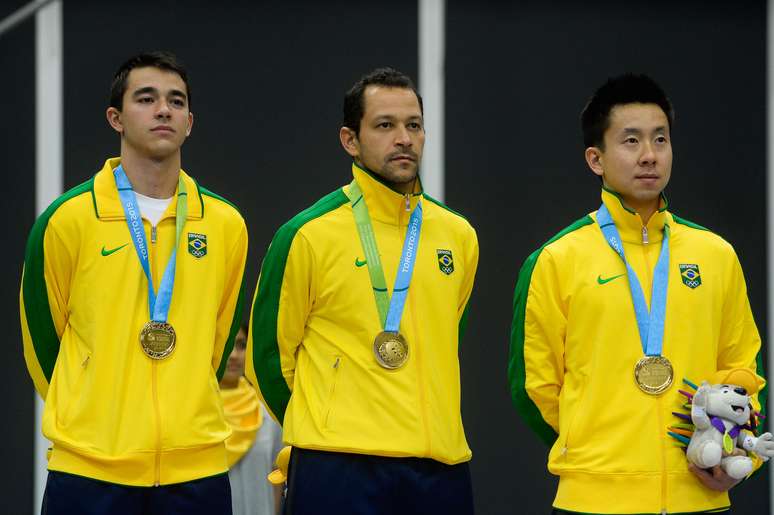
{"x":723,"y":418}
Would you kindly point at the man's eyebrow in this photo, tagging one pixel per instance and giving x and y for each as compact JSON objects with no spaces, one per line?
{"x":151,"y":89}
{"x":387,"y":116}
{"x":634,"y":130}
{"x":142,"y":91}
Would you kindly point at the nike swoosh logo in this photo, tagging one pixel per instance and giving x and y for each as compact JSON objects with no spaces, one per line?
{"x":359,"y":263}
{"x":108,"y":252}
{"x":603,"y":281}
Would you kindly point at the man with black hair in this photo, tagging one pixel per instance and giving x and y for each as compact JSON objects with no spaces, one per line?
{"x":130,"y":301}
{"x":356,"y":324}
{"x":614,"y":311}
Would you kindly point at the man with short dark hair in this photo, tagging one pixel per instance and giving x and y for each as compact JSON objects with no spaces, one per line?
{"x":612,"y":313}
{"x":130,"y":302}
{"x":356,"y":324}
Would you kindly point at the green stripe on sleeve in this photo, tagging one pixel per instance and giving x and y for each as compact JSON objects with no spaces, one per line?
{"x":236,"y":323}
{"x":36,"y":305}
{"x":763,"y":395}
{"x":266,"y":352}
{"x":516,"y":367}
{"x":463,"y":323}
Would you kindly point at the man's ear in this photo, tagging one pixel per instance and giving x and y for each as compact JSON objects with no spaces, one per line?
{"x":594,"y":160}
{"x":114,"y":119}
{"x":190,"y":124}
{"x":349,"y":141}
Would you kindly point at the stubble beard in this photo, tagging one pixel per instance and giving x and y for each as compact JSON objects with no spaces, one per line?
{"x":398,"y":174}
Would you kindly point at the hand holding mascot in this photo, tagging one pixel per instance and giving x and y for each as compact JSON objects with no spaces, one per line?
{"x":724,"y":420}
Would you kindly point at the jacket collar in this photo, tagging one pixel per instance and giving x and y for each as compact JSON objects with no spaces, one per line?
{"x":629,"y":223}
{"x":108,"y":204}
{"x":384,"y":203}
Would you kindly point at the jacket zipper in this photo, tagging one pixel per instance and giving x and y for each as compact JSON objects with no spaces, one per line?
{"x":645,"y":235}
{"x":154,"y":375}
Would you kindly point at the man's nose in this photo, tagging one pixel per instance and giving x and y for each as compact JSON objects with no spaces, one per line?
{"x":403,"y":138}
{"x":648,"y":155}
{"x":163,"y":110}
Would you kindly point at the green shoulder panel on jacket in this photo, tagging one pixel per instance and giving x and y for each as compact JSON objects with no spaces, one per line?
{"x":266,"y":353}
{"x":36,"y":306}
{"x":205,"y":191}
{"x":516,"y":368}
{"x":688,"y":223}
{"x":442,"y":205}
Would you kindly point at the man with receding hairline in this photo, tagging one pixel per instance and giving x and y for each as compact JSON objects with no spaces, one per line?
{"x":356,"y":324}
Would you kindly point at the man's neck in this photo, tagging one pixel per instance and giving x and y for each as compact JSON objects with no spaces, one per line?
{"x":151,"y":177}
{"x":645,"y":214}
{"x":228,"y":384}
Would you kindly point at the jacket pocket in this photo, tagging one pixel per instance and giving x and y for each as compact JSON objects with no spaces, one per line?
{"x":574,"y":431}
{"x":72,"y":399}
{"x":337,"y":364}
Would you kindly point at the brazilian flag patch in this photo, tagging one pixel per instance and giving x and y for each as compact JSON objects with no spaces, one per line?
{"x":445,"y":261}
{"x":690,"y":275}
{"x":197,"y":244}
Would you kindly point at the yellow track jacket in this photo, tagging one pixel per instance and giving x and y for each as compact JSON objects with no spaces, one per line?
{"x":112,"y":413}
{"x":314,"y":319}
{"x":575,"y":342}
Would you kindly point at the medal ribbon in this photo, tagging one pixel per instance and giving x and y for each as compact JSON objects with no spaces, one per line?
{"x":390,"y":309}
{"x":158,"y":303}
{"x":728,"y":436}
{"x":650,"y":322}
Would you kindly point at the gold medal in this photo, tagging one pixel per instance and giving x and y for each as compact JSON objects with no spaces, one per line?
{"x":391,"y":350}
{"x":653,"y":374}
{"x":157,"y":339}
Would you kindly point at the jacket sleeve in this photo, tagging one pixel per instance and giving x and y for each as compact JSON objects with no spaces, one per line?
{"x":471,"y":265}
{"x":536,"y":363}
{"x":739,"y":342}
{"x":230,"y":308}
{"x":283,"y":300}
{"x":43,"y":298}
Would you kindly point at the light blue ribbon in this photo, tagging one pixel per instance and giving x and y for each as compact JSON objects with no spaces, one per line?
{"x":158,"y":304}
{"x":650,"y":323}
{"x":405,"y":270}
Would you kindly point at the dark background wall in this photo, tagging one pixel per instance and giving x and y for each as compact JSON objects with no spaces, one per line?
{"x":17,"y":166}
{"x":267,"y":83}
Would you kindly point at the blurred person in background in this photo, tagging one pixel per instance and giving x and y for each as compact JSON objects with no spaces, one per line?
{"x":255,"y":440}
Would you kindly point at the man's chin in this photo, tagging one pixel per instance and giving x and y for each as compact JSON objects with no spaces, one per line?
{"x":399,"y":175}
